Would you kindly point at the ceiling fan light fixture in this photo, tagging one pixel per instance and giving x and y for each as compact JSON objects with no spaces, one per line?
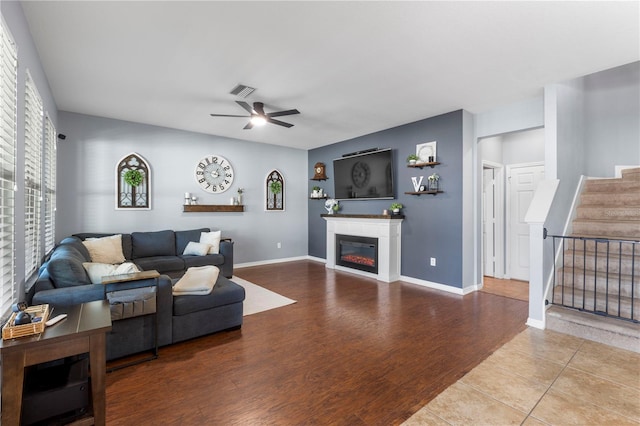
{"x":258,"y":120}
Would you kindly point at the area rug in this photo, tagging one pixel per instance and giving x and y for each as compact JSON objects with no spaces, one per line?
{"x":259,"y":299}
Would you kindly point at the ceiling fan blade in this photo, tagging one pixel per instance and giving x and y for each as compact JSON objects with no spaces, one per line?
{"x":249,"y":126}
{"x":227,"y":115}
{"x":282,"y":113}
{"x":278,"y":122}
{"x":246,"y":106}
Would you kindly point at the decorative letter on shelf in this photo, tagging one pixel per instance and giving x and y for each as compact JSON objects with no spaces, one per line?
{"x":275,"y":191}
{"x":133,"y":183}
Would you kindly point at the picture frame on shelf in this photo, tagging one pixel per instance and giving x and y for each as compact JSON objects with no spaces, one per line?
{"x":427,"y":152}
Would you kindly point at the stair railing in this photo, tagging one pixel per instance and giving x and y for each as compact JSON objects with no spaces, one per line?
{"x":607,"y":275}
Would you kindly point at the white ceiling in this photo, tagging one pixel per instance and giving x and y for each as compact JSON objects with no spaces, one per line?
{"x":351,"y":68}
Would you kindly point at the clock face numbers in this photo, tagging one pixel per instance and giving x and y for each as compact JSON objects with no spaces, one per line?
{"x":360,"y":174}
{"x":214,"y":174}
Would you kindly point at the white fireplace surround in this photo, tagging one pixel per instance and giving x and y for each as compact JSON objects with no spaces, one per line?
{"x":388,"y":231}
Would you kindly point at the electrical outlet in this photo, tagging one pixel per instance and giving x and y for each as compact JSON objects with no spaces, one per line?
{"x":279,"y":245}
{"x":433,"y":261}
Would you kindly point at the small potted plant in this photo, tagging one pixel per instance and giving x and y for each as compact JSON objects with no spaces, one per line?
{"x":433,"y":182}
{"x":412,"y":159}
{"x":240,"y":191}
{"x":395,"y":208}
{"x":317,"y":192}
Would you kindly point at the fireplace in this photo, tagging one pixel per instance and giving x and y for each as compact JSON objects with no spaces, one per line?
{"x":357,"y":252}
{"x":384,"y":230}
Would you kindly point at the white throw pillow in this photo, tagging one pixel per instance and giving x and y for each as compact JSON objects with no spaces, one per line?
{"x":213,"y":239}
{"x":97,"y":271}
{"x":197,"y":280}
{"x":106,"y":249}
{"x":196,"y":249}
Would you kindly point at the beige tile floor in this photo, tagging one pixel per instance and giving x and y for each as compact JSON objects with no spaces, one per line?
{"x":542,"y":377}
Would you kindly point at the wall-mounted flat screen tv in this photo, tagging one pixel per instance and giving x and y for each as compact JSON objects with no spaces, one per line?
{"x":364,"y":175}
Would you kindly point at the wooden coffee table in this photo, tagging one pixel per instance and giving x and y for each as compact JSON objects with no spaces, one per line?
{"x":82,"y":331}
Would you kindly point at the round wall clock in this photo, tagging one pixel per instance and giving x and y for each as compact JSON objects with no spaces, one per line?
{"x":360,"y":174}
{"x":214,"y":174}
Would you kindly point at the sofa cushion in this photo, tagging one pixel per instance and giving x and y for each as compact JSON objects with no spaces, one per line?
{"x":76,"y":243}
{"x":98,"y":270}
{"x":209,"y":259}
{"x":161,"y":264}
{"x":149,"y":244}
{"x":225,"y":292}
{"x":213,"y":239}
{"x":105,"y":249}
{"x":65,"y":267}
{"x":183,"y":238}
{"x":126,"y":241}
{"x":196,"y":249}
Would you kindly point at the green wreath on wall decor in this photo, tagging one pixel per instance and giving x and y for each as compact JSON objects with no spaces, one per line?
{"x":275,"y":187}
{"x":133,"y":177}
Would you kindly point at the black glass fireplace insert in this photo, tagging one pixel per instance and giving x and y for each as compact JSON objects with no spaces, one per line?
{"x":357,"y":252}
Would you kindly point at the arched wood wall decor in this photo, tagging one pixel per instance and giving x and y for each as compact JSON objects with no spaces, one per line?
{"x":133,"y":196}
{"x":274,"y":190}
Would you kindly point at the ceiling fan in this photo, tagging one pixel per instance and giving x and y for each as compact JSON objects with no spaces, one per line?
{"x":258,"y":117}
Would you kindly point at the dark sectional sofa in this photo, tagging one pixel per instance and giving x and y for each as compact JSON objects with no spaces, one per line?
{"x":63,"y":281}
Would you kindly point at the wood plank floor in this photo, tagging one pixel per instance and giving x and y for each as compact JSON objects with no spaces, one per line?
{"x":351,"y":351}
{"x":515,"y":289}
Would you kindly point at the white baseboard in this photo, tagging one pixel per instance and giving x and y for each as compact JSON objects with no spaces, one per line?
{"x":270,"y":261}
{"x":536,"y":323}
{"x":435,"y":286}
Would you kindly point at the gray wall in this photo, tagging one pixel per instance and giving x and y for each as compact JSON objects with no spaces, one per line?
{"x":513,"y":148}
{"x":525,"y":114}
{"x":28,"y":59}
{"x":523,"y":147}
{"x":612,"y":119}
{"x":433,"y":224}
{"x":490,"y":149}
{"x":86,"y":181}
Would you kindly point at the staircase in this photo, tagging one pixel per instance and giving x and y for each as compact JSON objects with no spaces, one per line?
{"x":596,"y":293}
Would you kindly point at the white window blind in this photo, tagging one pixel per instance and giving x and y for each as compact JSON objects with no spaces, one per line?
{"x":33,"y":129}
{"x":50,"y":137}
{"x":8,"y":137}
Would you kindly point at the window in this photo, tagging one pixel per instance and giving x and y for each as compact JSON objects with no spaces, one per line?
{"x":33,"y":124}
{"x":50,"y":137}
{"x":8,"y":124}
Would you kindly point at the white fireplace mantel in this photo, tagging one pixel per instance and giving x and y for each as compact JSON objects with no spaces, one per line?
{"x":388,"y":231}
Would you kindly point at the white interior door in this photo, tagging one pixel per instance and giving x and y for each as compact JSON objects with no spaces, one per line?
{"x":522,"y":181}
{"x":489,"y":221}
